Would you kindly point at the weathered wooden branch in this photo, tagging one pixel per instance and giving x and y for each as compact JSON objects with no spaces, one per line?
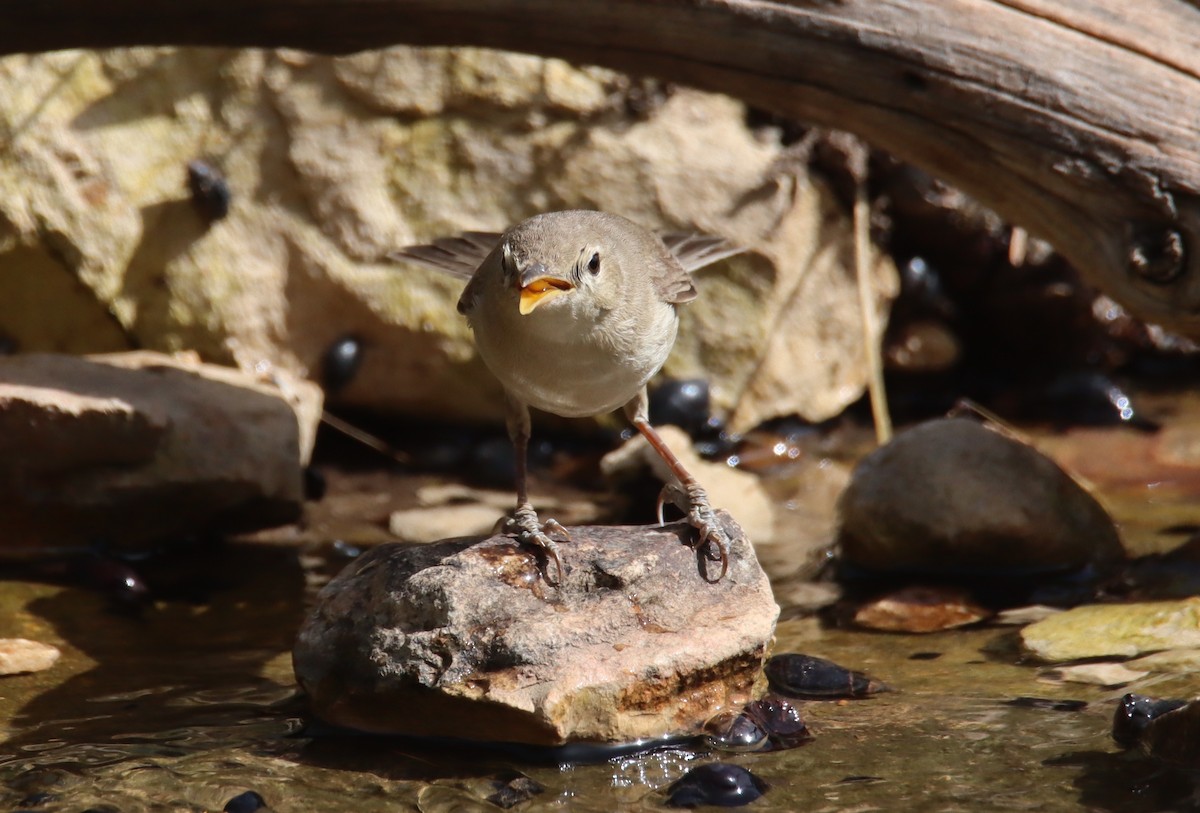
{"x":1078,"y":119}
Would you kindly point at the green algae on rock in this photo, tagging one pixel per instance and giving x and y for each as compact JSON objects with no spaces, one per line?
{"x":1115,"y":630}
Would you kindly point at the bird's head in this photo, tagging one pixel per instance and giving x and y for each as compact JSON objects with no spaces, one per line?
{"x":561,"y":261}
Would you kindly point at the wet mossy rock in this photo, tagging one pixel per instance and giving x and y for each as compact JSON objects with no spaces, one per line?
{"x":952,"y":497}
{"x":464,"y":639}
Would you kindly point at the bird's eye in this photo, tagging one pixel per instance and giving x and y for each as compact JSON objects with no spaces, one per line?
{"x":594,"y":263}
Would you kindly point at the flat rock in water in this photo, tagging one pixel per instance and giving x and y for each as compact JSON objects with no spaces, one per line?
{"x":921,"y":609}
{"x":136,"y":447}
{"x":464,"y":638}
{"x":1114,"y":630}
{"x":952,"y":497}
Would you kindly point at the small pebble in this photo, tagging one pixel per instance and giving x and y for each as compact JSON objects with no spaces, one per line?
{"x":246,"y":802}
{"x":684,"y":403}
{"x":513,"y":788}
{"x":118,"y":580}
{"x":781,"y":721}
{"x":209,"y":189}
{"x":735,"y":731}
{"x":715,"y":784}
{"x":800,"y":675}
{"x":19,"y":655}
{"x":340,"y":363}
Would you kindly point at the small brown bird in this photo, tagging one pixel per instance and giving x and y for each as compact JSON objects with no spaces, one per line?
{"x":574,"y":312}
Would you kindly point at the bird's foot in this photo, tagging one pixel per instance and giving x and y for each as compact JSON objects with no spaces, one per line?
{"x":529,"y":530}
{"x":711,"y":536}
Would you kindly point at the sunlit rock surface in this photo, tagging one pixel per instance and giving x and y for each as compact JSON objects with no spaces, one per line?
{"x":464,"y":638}
{"x":331,"y":163}
{"x":1115,"y":630}
{"x":137,"y":447}
{"x":952,"y":497}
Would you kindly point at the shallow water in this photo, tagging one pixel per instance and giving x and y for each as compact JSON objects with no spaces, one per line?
{"x":191,"y":702}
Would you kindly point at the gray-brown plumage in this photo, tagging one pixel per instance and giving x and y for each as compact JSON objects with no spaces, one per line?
{"x":574,"y":312}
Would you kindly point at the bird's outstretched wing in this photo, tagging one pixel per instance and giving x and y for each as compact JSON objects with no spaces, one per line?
{"x":694,"y":251}
{"x":458,"y":256}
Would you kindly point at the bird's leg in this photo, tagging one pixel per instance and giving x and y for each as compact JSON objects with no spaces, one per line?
{"x":524,"y":522}
{"x":687,"y":494}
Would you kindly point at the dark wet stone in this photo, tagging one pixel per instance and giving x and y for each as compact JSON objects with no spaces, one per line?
{"x":37,"y":799}
{"x":210,"y":191}
{"x":1084,"y":398}
{"x":1173,"y":736}
{"x":1175,"y":574}
{"x":1046,"y":703}
{"x":952,"y":498}
{"x":493,"y":462}
{"x":681,"y":402}
{"x":715,"y":784}
{"x":800,"y":675}
{"x":118,"y":580}
{"x":315,"y":484}
{"x":781,"y":721}
{"x":513,"y":788}
{"x":246,"y":802}
{"x":340,"y":363}
{"x":1134,"y":713}
{"x":925,"y":656}
{"x":859,"y":779}
{"x":735,"y":731}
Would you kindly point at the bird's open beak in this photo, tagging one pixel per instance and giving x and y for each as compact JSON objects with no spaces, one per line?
{"x":538,"y":286}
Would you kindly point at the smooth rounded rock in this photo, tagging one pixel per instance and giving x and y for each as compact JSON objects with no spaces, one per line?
{"x":716,"y":784}
{"x":953,"y":498}
{"x":465,"y":639}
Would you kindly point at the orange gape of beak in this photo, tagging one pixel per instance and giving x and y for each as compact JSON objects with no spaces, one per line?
{"x":540,"y":290}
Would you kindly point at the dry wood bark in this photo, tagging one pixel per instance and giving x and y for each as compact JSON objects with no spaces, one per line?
{"x":1078,"y":119}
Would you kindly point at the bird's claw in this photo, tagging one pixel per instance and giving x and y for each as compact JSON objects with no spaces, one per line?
{"x":530,"y":530}
{"x":692,"y":500}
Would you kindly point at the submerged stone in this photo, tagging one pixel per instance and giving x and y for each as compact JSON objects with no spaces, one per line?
{"x":809,"y":676}
{"x":953,"y":498}
{"x":715,"y":784}
{"x":921,"y":609}
{"x":464,"y":639}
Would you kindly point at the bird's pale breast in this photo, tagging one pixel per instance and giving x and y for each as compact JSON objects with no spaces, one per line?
{"x":575,"y":370}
